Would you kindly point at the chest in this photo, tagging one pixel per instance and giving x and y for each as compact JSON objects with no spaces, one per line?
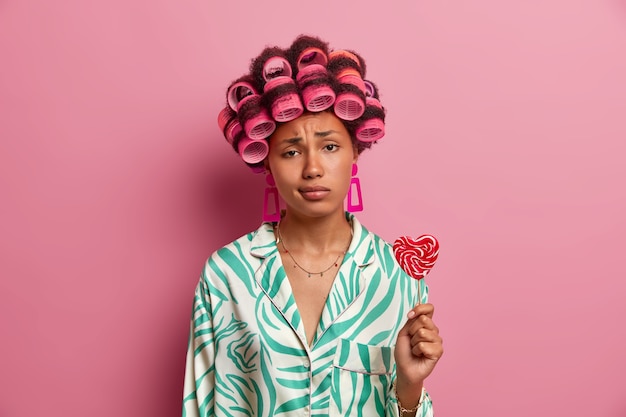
{"x":310,"y":292}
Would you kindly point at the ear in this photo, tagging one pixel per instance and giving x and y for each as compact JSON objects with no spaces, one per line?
{"x":355,"y":154}
{"x":266,"y":164}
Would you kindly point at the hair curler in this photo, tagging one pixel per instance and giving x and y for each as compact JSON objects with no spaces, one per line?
{"x":238,"y":92}
{"x":281,"y":93}
{"x":229,"y":124}
{"x":311,"y":56}
{"x":315,"y":84}
{"x":352,"y":76}
{"x":340,"y":59}
{"x":342,"y":53}
{"x":370,"y":130}
{"x":350,"y":102}
{"x":347,"y":69}
{"x":257,"y":123}
{"x":370,"y":89}
{"x":276,"y":66}
{"x":252,"y":151}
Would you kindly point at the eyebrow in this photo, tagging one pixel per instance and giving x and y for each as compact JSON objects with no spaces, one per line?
{"x":316,"y":134}
{"x":324,"y":134}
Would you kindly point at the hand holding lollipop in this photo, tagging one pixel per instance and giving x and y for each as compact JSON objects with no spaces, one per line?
{"x":416,"y":256}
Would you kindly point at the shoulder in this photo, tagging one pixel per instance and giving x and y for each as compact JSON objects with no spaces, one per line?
{"x":237,"y":247}
{"x":379,"y":247}
{"x":241,"y":254}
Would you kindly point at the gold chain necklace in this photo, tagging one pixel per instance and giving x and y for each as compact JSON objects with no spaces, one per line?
{"x":296,"y":264}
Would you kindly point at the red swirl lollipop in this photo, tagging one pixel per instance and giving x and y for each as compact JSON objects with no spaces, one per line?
{"x":416,"y":256}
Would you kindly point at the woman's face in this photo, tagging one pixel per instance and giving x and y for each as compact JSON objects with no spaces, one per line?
{"x":311,"y":161}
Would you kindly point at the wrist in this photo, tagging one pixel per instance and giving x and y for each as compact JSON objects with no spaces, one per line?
{"x":408,"y":394}
{"x":411,"y":387}
{"x":409,"y":402}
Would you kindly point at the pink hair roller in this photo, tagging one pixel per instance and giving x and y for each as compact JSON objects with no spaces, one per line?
{"x":276,"y":67}
{"x":354,"y":80}
{"x":349,"y":106}
{"x":232,"y":130}
{"x":370,"y":90}
{"x":311,"y":56}
{"x":352,"y":76}
{"x":229,"y":124}
{"x":260,"y":126}
{"x":238,"y":92}
{"x":370,"y":130}
{"x":253,"y":151}
{"x":342,"y":53}
{"x":224,"y":116}
{"x":316,"y":96}
{"x":371,"y":101}
{"x":287,"y":106}
{"x":257,"y":123}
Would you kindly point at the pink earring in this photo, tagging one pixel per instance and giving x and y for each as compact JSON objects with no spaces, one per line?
{"x":355,"y":185}
{"x":271,"y":207}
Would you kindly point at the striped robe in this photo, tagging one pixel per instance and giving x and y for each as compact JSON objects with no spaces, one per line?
{"x":248,"y":354}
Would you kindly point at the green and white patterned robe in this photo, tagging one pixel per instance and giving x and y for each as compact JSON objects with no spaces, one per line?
{"x":248,"y":354}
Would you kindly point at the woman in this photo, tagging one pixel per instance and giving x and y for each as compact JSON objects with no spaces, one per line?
{"x":310,"y":314}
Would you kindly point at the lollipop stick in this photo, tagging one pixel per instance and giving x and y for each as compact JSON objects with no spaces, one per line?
{"x":419,"y":291}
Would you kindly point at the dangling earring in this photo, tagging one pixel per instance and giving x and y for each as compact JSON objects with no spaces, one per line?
{"x":355,"y":185}
{"x":271,"y":207}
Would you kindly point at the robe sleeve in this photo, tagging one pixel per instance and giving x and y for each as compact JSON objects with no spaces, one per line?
{"x":199,"y":384}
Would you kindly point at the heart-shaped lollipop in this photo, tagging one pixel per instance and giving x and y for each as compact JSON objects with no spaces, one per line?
{"x":416,"y":256}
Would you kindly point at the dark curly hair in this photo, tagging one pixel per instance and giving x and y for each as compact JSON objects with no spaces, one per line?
{"x":282,"y":84}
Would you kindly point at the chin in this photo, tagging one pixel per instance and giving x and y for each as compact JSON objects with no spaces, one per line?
{"x":316,"y":210}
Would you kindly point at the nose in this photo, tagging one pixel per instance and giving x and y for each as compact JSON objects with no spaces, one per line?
{"x":313,"y":166}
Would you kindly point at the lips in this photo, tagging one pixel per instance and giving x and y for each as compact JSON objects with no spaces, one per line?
{"x":314,"y":193}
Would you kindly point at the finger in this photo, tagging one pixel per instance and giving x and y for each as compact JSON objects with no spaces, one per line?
{"x":432,"y":351}
{"x":425,"y":335}
{"x":421,"y":309}
{"x":419,"y":316}
{"x":422,"y":322}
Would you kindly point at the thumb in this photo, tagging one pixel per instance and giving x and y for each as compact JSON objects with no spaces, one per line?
{"x":411,"y":316}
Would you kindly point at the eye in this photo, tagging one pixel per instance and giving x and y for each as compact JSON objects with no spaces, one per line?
{"x":331,"y":147}
{"x":290,"y":154}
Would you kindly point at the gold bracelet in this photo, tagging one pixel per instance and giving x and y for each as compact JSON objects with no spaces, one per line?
{"x":406,"y":410}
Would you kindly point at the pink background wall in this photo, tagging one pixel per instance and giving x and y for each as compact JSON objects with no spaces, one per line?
{"x":506,"y":139}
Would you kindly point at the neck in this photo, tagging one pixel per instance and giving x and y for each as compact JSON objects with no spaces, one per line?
{"x":318,"y":235}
